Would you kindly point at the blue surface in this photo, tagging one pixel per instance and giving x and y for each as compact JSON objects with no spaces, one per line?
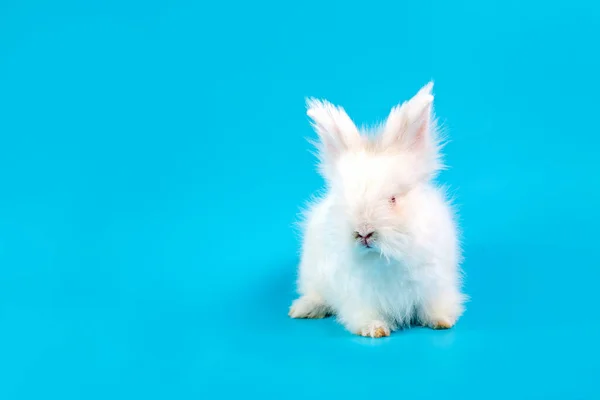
{"x":152,"y":161}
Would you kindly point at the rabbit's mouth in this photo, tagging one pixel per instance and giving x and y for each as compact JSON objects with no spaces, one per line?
{"x":366,"y":246}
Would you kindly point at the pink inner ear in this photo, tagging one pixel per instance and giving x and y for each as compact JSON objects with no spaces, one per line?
{"x":421,"y":133}
{"x":421,"y":129}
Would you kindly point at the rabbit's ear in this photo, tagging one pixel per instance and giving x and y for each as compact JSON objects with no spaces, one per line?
{"x":337,"y":132}
{"x":409,"y":125}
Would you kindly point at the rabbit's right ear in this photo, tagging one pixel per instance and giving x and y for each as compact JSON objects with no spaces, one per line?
{"x":409,"y":125}
{"x":337,"y":132}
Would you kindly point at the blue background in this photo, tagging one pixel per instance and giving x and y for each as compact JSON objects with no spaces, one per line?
{"x":153,"y":159}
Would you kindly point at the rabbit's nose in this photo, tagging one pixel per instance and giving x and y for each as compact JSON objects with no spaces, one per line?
{"x":364,"y":230}
{"x":367,"y":235}
{"x":365,"y":239}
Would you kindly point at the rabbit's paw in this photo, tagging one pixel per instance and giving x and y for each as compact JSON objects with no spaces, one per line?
{"x":441,"y":323}
{"x":375,"y":329}
{"x":443,"y":312}
{"x":440,"y":320}
{"x":308,"y":307}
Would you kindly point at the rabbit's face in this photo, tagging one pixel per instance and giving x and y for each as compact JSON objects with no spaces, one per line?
{"x":370,"y":188}
{"x":370,"y":177}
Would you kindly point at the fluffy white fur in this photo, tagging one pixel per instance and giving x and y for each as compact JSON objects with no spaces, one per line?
{"x":383,"y":185}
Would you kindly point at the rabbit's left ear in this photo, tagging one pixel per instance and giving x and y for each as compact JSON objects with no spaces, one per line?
{"x":409,"y":126}
{"x":337,"y":133}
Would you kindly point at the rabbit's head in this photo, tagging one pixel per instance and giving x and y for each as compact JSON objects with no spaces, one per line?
{"x":370,"y":177}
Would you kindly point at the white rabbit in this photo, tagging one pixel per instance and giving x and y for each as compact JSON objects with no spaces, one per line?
{"x":380,"y":249}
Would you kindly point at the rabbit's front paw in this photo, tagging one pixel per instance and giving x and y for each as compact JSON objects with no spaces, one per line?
{"x":375,"y":329}
{"x":441,"y":323}
{"x":308,"y":307}
{"x":443,"y":312}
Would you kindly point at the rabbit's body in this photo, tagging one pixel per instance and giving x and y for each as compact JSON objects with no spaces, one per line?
{"x":380,"y":248}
